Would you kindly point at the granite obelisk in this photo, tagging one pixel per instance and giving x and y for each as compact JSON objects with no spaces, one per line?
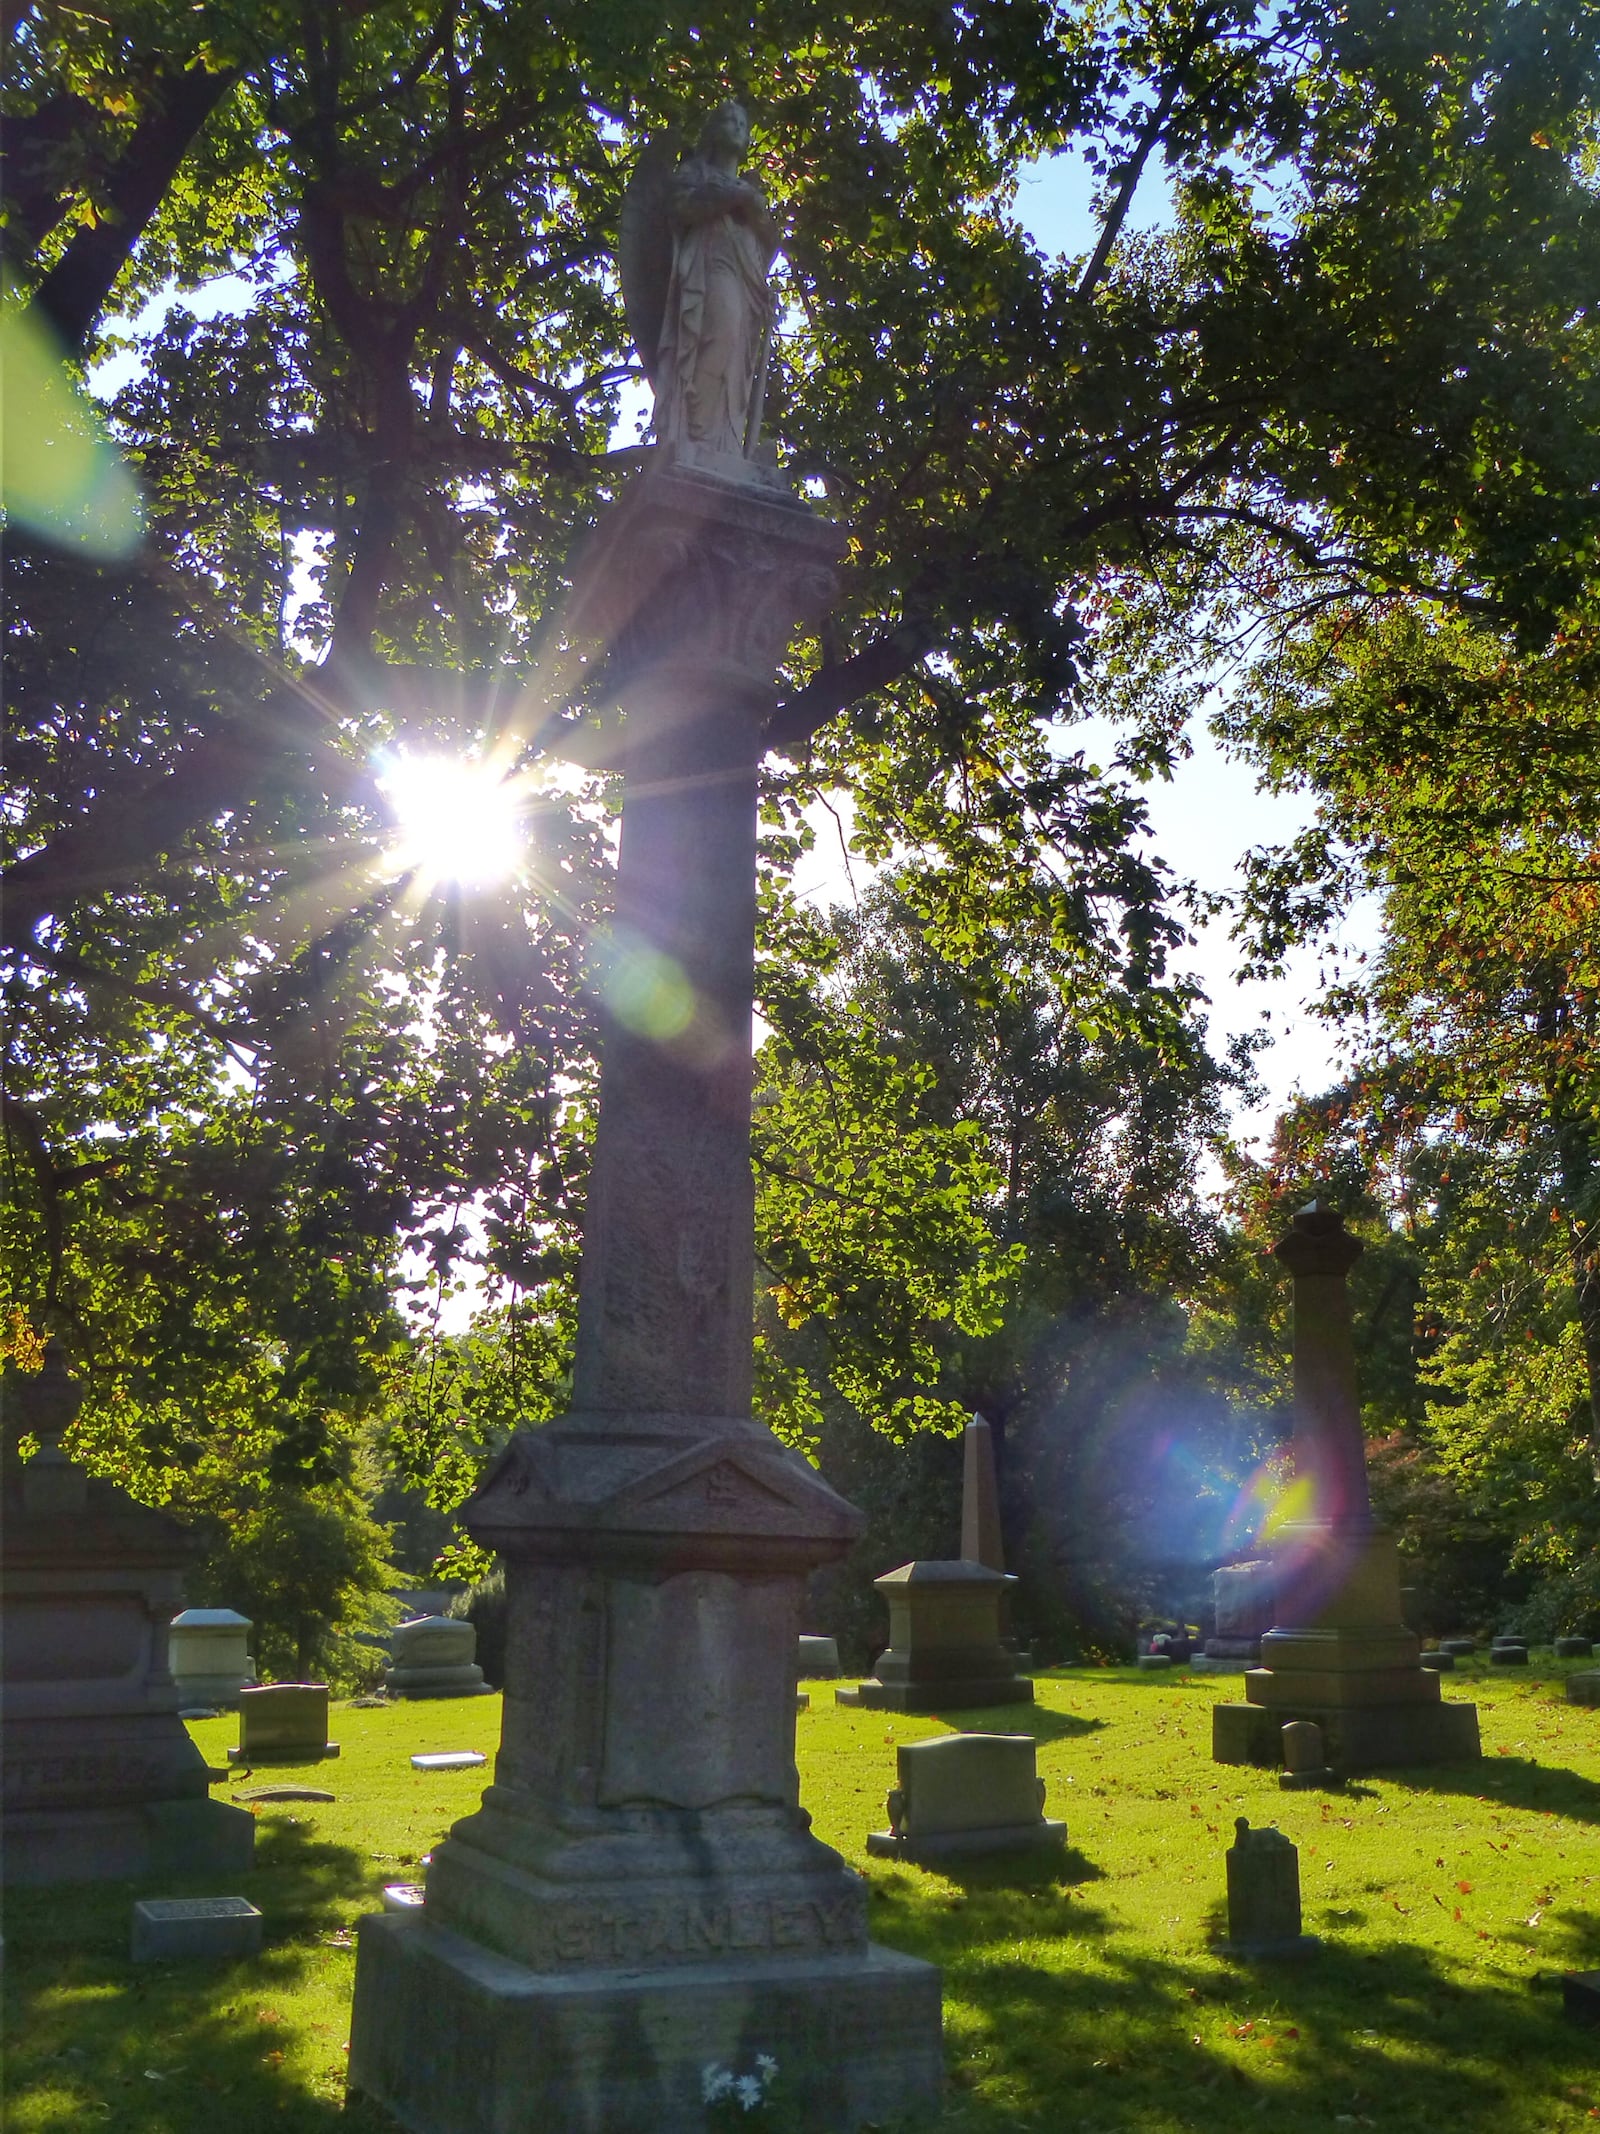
{"x":639,"y":1896}
{"x":1339,"y":1652}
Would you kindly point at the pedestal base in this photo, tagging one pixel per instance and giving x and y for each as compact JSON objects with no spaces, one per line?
{"x":1359,"y":1737}
{"x":453,"y":2039}
{"x":129,"y":1844}
{"x":1043,"y":1836}
{"x":966,"y":1695}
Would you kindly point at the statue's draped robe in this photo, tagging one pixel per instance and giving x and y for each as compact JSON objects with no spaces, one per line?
{"x":716,"y":316}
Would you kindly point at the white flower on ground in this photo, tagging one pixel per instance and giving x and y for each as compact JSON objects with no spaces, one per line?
{"x":715,"y":2083}
{"x":749,"y":2091}
{"x":766,"y":2066}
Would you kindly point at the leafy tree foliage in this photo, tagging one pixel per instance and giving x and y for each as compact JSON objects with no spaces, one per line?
{"x":247,"y":1053}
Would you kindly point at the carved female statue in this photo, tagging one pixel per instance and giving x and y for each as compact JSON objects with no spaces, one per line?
{"x":703,"y":336}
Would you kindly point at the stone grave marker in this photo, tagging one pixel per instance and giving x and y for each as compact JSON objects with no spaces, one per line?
{"x":1243,"y":1598}
{"x":433,"y":1657}
{"x":1584,"y":1687}
{"x":1264,"y":1895}
{"x":639,"y":1889}
{"x":1305,"y":1758}
{"x":965,"y":1795}
{"x":1508,"y":1652}
{"x":1574,"y":1648}
{"x":209,"y":1653}
{"x":1339,"y":1651}
{"x":285,"y":1723}
{"x":1458,"y":1648}
{"x":101,"y":1779}
{"x":403,"y":1896}
{"x":944,"y":1651}
{"x":1438,"y":1662}
{"x":981,"y":1537}
{"x":219,"y":1929}
{"x":449,"y":1760}
{"x":817,"y":1658}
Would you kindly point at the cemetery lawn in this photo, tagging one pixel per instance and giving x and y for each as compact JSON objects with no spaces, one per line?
{"x":1080,"y":1994}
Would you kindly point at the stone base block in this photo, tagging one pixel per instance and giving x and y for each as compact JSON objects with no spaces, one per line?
{"x":132,"y":1844}
{"x":1043,"y":1836}
{"x":969,"y":1695}
{"x":221,"y":1929}
{"x":1584,"y":1688}
{"x":1359,"y":1738}
{"x":283,"y":1755}
{"x":453,"y":2039}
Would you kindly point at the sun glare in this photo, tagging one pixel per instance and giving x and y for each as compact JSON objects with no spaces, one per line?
{"x":455,"y":820}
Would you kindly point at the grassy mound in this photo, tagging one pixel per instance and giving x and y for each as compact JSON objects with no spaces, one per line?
{"x":1081,"y":1994}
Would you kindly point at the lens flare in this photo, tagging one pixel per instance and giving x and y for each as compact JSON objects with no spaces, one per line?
{"x":456,"y":819}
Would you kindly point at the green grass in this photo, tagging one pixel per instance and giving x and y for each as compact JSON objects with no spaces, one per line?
{"x":1080,"y":1995}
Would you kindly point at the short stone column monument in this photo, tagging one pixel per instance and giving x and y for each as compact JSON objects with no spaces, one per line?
{"x":209,"y":1653}
{"x":102,"y":1782}
{"x":944,"y":1651}
{"x":640,"y":1897}
{"x":963,"y":1796}
{"x":1339,"y":1652}
{"x":433,"y":1657}
{"x":1264,"y":1895}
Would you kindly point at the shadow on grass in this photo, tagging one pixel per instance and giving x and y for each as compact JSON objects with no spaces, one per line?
{"x":1393,"y":2036}
{"x":1515,"y":1782}
{"x":96,"y":2042}
{"x":1035,"y":1719}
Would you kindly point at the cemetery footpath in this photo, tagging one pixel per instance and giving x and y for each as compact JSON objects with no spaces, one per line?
{"x":1082,"y":1990}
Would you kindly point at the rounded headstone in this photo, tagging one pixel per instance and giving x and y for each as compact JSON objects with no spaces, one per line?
{"x":1302,"y":1746}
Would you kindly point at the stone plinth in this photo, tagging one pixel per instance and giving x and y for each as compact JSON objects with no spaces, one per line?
{"x":433,"y":1657}
{"x":963,"y":1796}
{"x":209,"y":1654}
{"x":945,"y":1650}
{"x":101,"y":1779}
{"x":1340,"y":1652}
{"x":285,"y":1723}
{"x":639,"y":1894}
{"x":817,"y":1659}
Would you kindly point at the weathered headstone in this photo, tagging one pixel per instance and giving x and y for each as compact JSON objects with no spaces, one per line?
{"x":286,"y":1723}
{"x":220,"y":1929}
{"x":817,"y":1659}
{"x":1458,"y":1648}
{"x":944,"y":1651}
{"x":1439,"y":1663}
{"x":101,"y":1780}
{"x":1153,"y":1663}
{"x":209,"y":1654}
{"x":1243,"y":1597}
{"x":1305,"y":1756}
{"x":433,"y":1657}
{"x":1584,"y":1687}
{"x":1574,"y":1648}
{"x":965,"y":1795}
{"x":640,"y":1892}
{"x":1339,"y":1652}
{"x":1264,"y":1895}
{"x":1508,"y":1652}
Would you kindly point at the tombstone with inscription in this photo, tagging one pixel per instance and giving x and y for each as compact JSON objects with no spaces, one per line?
{"x":944,"y":1651}
{"x":1339,"y":1652}
{"x":640,"y":1895}
{"x":101,"y":1779}
{"x":209,"y":1653}
{"x":285,"y":1723}
{"x":965,"y":1795}
{"x":1264,"y":1895}
{"x":433,"y":1657}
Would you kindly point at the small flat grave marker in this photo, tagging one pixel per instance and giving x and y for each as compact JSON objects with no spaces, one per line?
{"x":449,"y":1760}
{"x":403,"y":1897}
{"x":169,"y":1927}
{"x":284,"y":1793}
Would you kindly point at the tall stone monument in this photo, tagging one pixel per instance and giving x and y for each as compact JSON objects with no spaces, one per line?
{"x":1339,"y":1652}
{"x":981,"y":1537}
{"x":101,"y":1780}
{"x":639,"y":1897}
